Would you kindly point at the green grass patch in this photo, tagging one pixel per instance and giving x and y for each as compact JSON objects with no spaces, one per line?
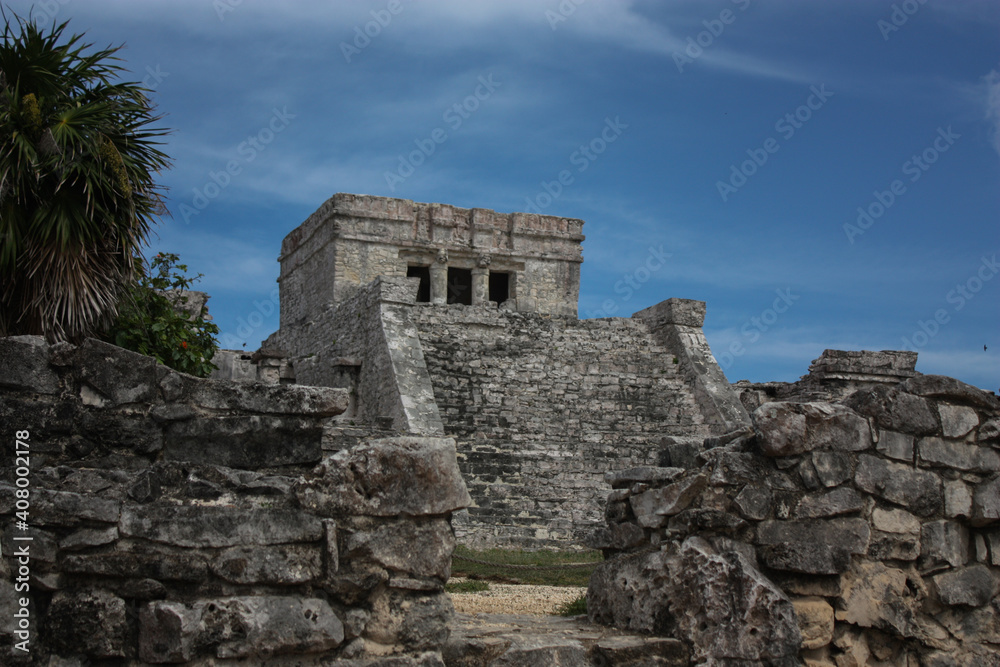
{"x":579,"y":576}
{"x":573,"y":607}
{"x":469,"y":586}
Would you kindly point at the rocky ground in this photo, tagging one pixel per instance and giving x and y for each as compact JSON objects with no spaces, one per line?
{"x":515,"y":599}
{"x":519,"y":639}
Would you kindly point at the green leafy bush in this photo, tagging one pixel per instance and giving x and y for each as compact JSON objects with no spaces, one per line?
{"x":149,"y":322}
{"x":467,"y":586}
{"x":573,"y":608}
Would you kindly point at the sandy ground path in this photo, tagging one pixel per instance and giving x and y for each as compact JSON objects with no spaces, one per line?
{"x":515,"y":599}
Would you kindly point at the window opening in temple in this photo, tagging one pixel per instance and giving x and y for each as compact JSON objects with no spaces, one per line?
{"x":424,"y":273}
{"x":499,"y":286}
{"x":460,"y":286}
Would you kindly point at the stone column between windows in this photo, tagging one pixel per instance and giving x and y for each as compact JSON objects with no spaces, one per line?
{"x":480,"y":285}
{"x":439,"y":283}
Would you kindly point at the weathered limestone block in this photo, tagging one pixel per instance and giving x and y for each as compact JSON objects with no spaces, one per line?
{"x":727,"y":610}
{"x":212,"y":526}
{"x":616,"y":537}
{"x":895,"y":445}
{"x":138,"y":565}
{"x":943,"y":544}
{"x":958,"y":455}
{"x":411,"y":620}
{"x":941,"y":386}
{"x":957,"y":421}
{"x":753,"y":502}
{"x":405,"y":475}
{"x":422,"y":549}
{"x":844,"y":500}
{"x":247,"y":442}
{"x":989,"y":432}
{"x":812,"y":546}
{"x":264,"y":398}
{"x":85,"y":538}
{"x":717,"y":603}
{"x":92,"y":622}
{"x":971,"y":586}
{"x":118,"y":376}
{"x":992,"y":539}
{"x":832,"y":468}
{"x":895,"y":521}
{"x":680,"y":452}
{"x":25,"y":360}
{"x":815,"y":621}
{"x":632,"y":592}
{"x":895,"y":535}
{"x":895,"y":410}
{"x":737,"y":468}
{"x":986,"y":503}
{"x":705,"y":519}
{"x":652,"y":507}
{"x":876,"y":596}
{"x":533,"y":651}
{"x":64,"y":508}
{"x":968,"y":625}
{"x":285,"y":564}
{"x":237,"y":627}
{"x":636,"y":651}
{"x":917,"y":490}
{"x":787,"y":429}
{"x":957,"y":499}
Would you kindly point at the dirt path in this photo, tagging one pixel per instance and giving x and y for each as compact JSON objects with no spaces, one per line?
{"x":515,"y":599}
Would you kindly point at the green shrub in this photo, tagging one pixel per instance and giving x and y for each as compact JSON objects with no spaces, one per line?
{"x":467,"y":586}
{"x":574,"y":607}
{"x":149,"y":323}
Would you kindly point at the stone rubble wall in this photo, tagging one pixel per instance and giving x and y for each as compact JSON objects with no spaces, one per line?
{"x":180,"y":520}
{"x":834,"y":376}
{"x":865,"y":532}
{"x":542,"y":407}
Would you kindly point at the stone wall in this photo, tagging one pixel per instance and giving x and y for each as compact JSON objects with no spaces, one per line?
{"x":542,"y":407}
{"x":835,"y":375}
{"x":172,"y":519}
{"x":865,"y":532}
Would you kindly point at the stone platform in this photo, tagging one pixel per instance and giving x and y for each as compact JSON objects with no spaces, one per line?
{"x":481,"y":640}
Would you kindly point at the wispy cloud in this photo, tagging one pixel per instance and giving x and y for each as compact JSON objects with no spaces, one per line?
{"x":992,"y":82}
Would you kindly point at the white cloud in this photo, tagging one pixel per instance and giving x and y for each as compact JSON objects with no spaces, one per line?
{"x":992,"y":82}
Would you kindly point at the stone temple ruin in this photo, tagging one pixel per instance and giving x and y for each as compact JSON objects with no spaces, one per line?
{"x":430,"y":382}
{"x":462,"y":322}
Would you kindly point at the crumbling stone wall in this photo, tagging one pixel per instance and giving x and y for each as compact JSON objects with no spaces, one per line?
{"x":834,"y":376}
{"x":173,"y":519}
{"x":543,"y":407}
{"x":865,"y":532}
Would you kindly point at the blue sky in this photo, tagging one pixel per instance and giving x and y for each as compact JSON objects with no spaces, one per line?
{"x":822,"y":174}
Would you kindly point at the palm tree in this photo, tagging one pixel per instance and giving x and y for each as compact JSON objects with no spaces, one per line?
{"x":77,"y":196}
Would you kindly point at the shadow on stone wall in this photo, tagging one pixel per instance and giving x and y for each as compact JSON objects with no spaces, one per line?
{"x":173,"y":519}
{"x":865,"y":532}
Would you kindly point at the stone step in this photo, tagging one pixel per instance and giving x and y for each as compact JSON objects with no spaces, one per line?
{"x":516,"y":640}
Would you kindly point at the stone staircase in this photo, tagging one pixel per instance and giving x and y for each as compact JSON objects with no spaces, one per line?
{"x":535,"y":472}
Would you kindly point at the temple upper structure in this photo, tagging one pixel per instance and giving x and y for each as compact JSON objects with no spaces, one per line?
{"x":524,"y":262}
